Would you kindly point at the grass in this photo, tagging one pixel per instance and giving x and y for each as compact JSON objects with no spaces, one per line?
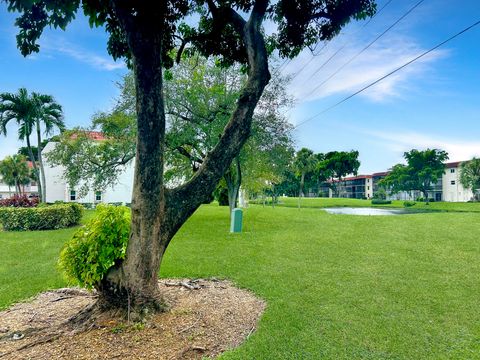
{"x":337,"y":286}
{"x":28,"y":262}
{"x":341,"y":202}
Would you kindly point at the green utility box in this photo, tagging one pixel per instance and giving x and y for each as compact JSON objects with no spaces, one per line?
{"x":236,"y":221}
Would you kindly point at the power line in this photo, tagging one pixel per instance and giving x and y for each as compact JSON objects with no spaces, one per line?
{"x":326,"y":44}
{"x":342,"y":47}
{"x":389,"y":74}
{"x":364,"y":49}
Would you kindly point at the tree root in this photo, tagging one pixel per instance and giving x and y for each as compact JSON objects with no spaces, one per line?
{"x":190,"y":285}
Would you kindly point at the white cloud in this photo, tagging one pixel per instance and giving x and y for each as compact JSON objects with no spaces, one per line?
{"x":88,"y":57}
{"x":377,"y":61}
{"x":400,"y":142}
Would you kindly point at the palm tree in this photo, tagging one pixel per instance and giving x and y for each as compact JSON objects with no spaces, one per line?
{"x":49,"y":114}
{"x":470,"y":176}
{"x":15,"y":172}
{"x":30,"y":111}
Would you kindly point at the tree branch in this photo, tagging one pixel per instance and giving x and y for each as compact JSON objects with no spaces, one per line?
{"x":185,"y":199}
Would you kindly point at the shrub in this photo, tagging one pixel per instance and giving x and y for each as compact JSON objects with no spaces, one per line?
{"x":409,"y":203}
{"x":88,"y":205}
{"x":19,"y":201}
{"x":40,"y":218}
{"x":116,"y":203}
{"x":381,"y":202}
{"x":380,"y":194}
{"x":97,"y":246}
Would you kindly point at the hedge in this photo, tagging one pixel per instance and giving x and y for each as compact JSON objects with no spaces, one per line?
{"x":41,"y":218}
{"x":19,"y":201}
{"x":381,"y":202}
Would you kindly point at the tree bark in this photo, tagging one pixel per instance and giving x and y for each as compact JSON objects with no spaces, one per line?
{"x":233,"y":179}
{"x":134,"y":281}
{"x":43,"y":188}
{"x":158,"y":213}
{"x":302,"y":183}
{"x":425,"y":195}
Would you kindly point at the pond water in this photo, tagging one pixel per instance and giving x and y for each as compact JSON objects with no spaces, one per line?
{"x":366,"y":211}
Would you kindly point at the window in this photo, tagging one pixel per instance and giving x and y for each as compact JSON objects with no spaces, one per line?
{"x":98,"y":196}
{"x":452,"y":171}
{"x":452,"y":182}
{"x":368,"y":187}
{"x":73,"y":195}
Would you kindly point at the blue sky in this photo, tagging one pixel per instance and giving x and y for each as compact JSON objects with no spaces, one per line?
{"x":434,"y":102}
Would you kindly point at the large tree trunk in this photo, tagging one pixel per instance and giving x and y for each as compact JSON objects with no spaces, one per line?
{"x":158,"y":213}
{"x":135,"y":279}
{"x":35,"y":169}
{"x":43,"y":188}
{"x":425,"y":196}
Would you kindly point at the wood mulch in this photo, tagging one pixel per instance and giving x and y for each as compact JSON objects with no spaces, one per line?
{"x":204,"y":319}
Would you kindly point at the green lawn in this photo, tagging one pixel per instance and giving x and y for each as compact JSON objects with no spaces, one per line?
{"x":326,"y":202}
{"x":337,"y":286}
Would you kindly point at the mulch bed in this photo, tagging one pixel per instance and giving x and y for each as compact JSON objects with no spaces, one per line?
{"x":204,"y":319}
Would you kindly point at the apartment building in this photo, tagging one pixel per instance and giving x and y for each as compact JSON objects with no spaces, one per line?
{"x":447,"y":188}
{"x":355,"y":187}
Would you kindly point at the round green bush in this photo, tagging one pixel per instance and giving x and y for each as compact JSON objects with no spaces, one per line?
{"x":97,"y":246}
{"x":381,"y":202}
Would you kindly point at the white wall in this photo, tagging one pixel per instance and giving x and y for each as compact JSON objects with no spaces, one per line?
{"x":58,"y":189}
{"x":454,"y":192}
{"x":368,"y":188}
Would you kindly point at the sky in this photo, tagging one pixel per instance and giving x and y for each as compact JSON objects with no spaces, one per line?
{"x":432,"y":103}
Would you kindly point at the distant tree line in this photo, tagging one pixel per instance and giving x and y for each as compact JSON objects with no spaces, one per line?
{"x":313,"y":172}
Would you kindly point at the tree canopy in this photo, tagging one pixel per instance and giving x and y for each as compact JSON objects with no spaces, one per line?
{"x":145,"y":33}
{"x":422,"y":171}
{"x":31,"y":112}
{"x":14,"y":172}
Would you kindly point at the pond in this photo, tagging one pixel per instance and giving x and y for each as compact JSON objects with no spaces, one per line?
{"x":367,"y":211}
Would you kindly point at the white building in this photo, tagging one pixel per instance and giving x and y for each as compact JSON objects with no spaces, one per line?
{"x":452,"y":189}
{"x":448,"y":188}
{"x":58,"y":189}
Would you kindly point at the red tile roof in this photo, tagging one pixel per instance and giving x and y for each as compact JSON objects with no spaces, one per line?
{"x":453,"y":164}
{"x":94,"y":135}
{"x":382,"y":173}
{"x":354,"y":178}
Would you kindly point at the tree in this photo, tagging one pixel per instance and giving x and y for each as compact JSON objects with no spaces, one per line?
{"x":49,"y":115}
{"x":29,"y":112}
{"x":338,"y":164}
{"x":423,"y":169}
{"x":23,"y":150}
{"x":15,"y":172}
{"x":90,"y":163}
{"x":397,"y":180}
{"x":145,"y":33}
{"x":305,"y":162}
{"x":200,"y":96}
{"x":470,"y":176}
